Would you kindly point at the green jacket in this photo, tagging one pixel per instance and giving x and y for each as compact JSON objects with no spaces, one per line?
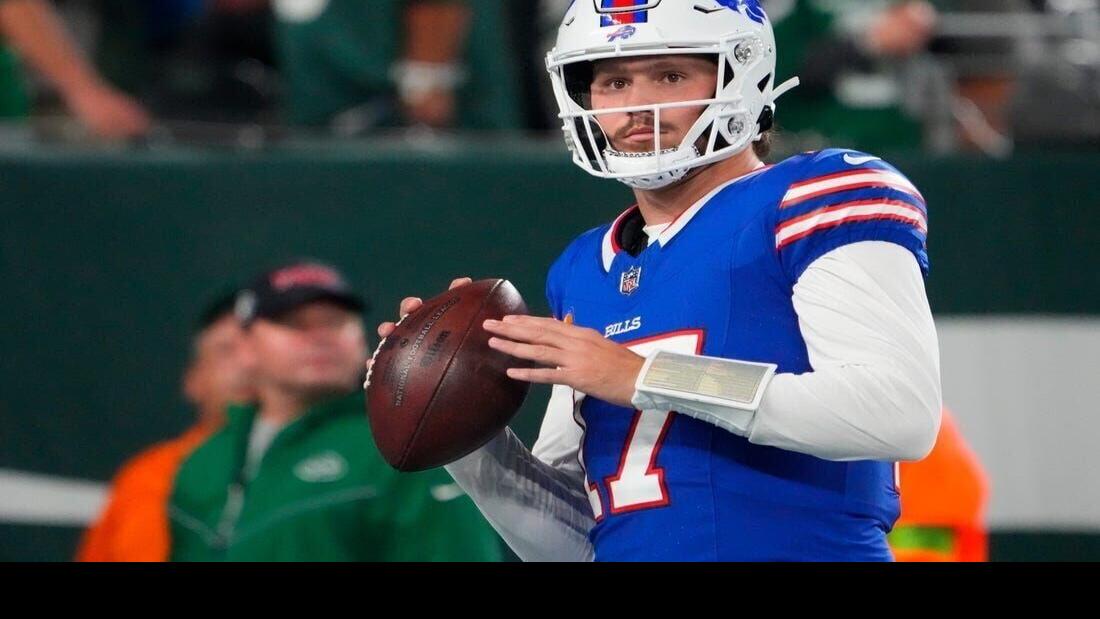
{"x":322,"y":492}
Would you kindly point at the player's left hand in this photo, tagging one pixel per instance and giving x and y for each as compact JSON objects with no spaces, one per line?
{"x":579,"y":358}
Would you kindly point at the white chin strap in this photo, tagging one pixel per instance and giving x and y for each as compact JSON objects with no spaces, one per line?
{"x":638,"y":168}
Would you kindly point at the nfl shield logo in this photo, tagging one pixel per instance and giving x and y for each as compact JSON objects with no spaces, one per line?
{"x":630,"y":281}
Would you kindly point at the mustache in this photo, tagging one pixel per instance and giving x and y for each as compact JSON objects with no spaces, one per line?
{"x":641,"y":124}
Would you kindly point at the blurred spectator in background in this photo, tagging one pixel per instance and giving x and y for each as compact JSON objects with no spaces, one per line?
{"x":134,"y":524}
{"x":347,"y":67}
{"x":981,"y":59}
{"x":1056,"y":99}
{"x":943,"y":503}
{"x":199,"y":64}
{"x":32,"y":31}
{"x":217,"y":62}
{"x":848,"y":55}
{"x":936,"y":74}
{"x":355,"y":66}
{"x":297,"y":477}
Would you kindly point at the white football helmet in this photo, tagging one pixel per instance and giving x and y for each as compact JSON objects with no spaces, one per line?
{"x":736,"y":32}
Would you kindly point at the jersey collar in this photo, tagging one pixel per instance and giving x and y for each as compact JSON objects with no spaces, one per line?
{"x":610,"y":248}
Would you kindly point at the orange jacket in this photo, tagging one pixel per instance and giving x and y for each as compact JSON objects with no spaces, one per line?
{"x":947,"y":490}
{"x":134,"y":526}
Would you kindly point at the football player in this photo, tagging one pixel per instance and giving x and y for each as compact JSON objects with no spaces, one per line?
{"x":741,"y":358}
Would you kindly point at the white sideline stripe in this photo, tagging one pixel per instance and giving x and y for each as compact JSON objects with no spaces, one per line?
{"x":31,"y":498}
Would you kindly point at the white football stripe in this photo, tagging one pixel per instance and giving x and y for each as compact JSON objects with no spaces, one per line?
{"x":841,"y":183}
{"x":795,"y":228}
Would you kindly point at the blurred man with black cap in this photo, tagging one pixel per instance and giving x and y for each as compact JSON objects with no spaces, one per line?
{"x":297,"y":477}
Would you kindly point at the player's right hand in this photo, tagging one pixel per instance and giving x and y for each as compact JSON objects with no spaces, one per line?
{"x":408,"y":306}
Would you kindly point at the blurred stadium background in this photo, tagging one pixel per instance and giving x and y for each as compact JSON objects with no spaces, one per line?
{"x":275,"y":132}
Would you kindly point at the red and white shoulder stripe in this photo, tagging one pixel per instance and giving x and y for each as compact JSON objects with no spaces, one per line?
{"x":847,"y":181}
{"x":849,"y":212}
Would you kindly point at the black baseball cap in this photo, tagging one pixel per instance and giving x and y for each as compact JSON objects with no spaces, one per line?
{"x":292,"y":286}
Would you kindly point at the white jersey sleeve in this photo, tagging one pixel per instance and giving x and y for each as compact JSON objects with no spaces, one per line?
{"x":874,"y":392}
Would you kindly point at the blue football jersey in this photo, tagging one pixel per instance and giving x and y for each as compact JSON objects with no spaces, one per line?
{"x":719,"y":282}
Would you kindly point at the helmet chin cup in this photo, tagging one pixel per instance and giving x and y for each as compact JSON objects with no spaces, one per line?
{"x":635,"y":170}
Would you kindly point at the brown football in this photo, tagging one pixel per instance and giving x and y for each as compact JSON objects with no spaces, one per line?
{"x":436,"y":390}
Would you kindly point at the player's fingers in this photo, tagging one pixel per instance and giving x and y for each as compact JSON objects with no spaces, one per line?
{"x":551,"y":326}
{"x":386,"y":329}
{"x":528,"y":333}
{"x":546,"y":323}
{"x":409,"y":305}
{"x":543,"y":355}
{"x":541,"y":376}
{"x":461,"y":281}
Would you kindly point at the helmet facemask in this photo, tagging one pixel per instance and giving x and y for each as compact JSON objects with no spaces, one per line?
{"x":726,"y":126}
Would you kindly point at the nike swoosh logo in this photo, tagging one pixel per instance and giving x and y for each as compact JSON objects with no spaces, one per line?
{"x":447,"y":492}
{"x":850,"y":160}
